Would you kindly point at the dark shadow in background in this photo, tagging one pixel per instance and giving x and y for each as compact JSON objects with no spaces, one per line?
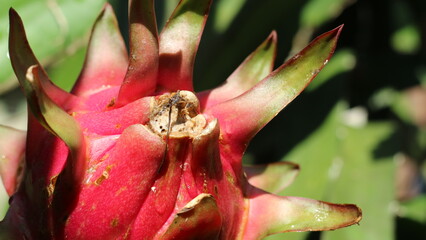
{"x":388,"y":147}
{"x":121,"y":11}
{"x":410,"y":229}
{"x":220,"y":54}
{"x":12,"y":99}
{"x":369,"y":26}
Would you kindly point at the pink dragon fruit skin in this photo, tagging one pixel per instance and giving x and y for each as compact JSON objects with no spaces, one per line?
{"x":133,"y":153}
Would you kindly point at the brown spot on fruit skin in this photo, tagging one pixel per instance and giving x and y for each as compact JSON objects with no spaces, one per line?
{"x":104,"y":157}
{"x":119,"y":191}
{"x":114,"y":222}
{"x":230,"y":178}
{"x":51,"y":186}
{"x":111,"y":103}
{"x":104,"y":176}
{"x":127,"y":232}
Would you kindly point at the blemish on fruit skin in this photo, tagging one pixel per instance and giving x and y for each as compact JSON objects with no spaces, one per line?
{"x":118,"y":126}
{"x":204,"y":181}
{"x":103,"y":177}
{"x":111,"y":103}
{"x":105,"y":157}
{"x":230,"y":178}
{"x":51,"y":186}
{"x":184,"y":166}
{"x":127,"y":232}
{"x":93,"y":166}
{"x":119,"y":191}
{"x":114,"y":222}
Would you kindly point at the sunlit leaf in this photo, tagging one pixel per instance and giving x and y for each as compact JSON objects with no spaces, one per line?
{"x":344,"y":164}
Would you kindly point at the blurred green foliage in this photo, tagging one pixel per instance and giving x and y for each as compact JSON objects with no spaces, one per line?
{"x":58,"y":32}
{"x":55,"y":30}
{"x":353,"y":131}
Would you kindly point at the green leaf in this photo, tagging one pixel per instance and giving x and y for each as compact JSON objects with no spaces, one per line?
{"x":363,"y":169}
{"x":317,"y":12}
{"x":226,"y":12}
{"x":53,"y":27}
{"x":314,"y":156}
{"x":64,"y":72}
{"x":406,"y":40}
{"x":342,"y":164}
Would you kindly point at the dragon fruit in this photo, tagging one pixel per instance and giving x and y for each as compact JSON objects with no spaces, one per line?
{"x":132,"y":152}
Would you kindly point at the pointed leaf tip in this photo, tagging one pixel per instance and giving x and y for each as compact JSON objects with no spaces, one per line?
{"x":252,"y":70}
{"x":292,"y":214}
{"x":257,"y":65}
{"x":179,"y":42}
{"x":267,"y":98}
{"x":106,"y":58}
{"x":141,"y":76}
{"x":199,"y":219}
{"x":22,"y":58}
